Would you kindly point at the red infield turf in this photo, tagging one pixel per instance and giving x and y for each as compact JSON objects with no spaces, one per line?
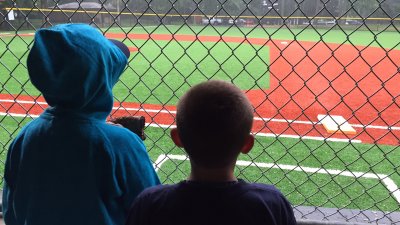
{"x":306,"y":79}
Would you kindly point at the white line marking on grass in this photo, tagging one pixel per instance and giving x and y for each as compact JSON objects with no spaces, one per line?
{"x":166,"y":126}
{"x":147,"y":110}
{"x":160,"y":160}
{"x":387,"y":182}
{"x":265,"y":119}
{"x":115,"y":108}
{"x":308,"y":137}
{"x":392,"y":187}
{"x":276,"y":135}
{"x":16,"y":34}
{"x":23,"y":101}
{"x":285,"y":121}
{"x":375,"y":127}
{"x":170,"y":126}
{"x":18,"y":115}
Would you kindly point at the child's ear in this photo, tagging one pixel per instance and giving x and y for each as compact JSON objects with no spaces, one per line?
{"x":175,"y":137}
{"x":248,"y":144}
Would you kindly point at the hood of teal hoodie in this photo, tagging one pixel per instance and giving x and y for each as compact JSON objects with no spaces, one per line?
{"x":75,"y":68}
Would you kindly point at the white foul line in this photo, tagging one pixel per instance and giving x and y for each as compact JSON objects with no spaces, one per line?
{"x":315,"y":138}
{"x":387,"y":182}
{"x":19,"y":115}
{"x":170,"y":126}
{"x":275,"y":135}
{"x":264,"y":119}
{"x":160,"y":160}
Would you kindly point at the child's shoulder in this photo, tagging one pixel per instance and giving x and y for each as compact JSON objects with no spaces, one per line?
{"x":264,"y":187}
{"x":158,"y":189}
{"x":266,"y":191}
{"x":260,"y":187}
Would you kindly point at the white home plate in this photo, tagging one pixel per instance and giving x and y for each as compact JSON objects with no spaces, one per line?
{"x":284,"y":42}
{"x":336,"y":124}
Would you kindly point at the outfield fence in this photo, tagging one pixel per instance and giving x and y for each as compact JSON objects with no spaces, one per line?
{"x":322,"y":75}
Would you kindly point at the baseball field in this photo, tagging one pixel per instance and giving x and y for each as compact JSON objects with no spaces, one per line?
{"x":290,"y":76}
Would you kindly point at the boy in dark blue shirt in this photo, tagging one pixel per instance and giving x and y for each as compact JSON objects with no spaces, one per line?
{"x":214,"y":121}
{"x":69,"y":167}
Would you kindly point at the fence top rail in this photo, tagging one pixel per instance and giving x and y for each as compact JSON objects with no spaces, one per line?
{"x":111,"y":12}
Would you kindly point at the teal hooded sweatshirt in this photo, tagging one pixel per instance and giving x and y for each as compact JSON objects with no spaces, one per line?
{"x":69,"y":167}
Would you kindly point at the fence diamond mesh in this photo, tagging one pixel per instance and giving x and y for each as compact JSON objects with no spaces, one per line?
{"x":322,"y":75}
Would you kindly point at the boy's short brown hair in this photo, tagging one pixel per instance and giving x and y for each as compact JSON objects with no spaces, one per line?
{"x":213,"y":120}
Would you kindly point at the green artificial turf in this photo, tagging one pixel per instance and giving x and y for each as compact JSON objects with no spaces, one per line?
{"x":160,"y":72}
{"x":14,"y":77}
{"x":385,"y":39}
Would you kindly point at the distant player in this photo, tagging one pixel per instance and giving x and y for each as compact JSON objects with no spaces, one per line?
{"x":213,"y":121}
{"x":69,"y":167}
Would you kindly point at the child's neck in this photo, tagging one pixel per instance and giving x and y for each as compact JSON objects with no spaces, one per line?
{"x":212,"y":175}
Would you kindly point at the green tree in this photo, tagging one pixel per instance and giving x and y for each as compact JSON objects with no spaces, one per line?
{"x":209,"y":7}
{"x":365,"y":7}
{"x":138,"y":6}
{"x":184,"y":6}
{"x":233,"y":7}
{"x":391,"y":8}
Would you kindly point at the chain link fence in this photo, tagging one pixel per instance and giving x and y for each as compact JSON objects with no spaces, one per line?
{"x":322,"y":75}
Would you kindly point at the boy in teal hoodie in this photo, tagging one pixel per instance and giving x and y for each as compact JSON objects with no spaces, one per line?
{"x":69,"y":166}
